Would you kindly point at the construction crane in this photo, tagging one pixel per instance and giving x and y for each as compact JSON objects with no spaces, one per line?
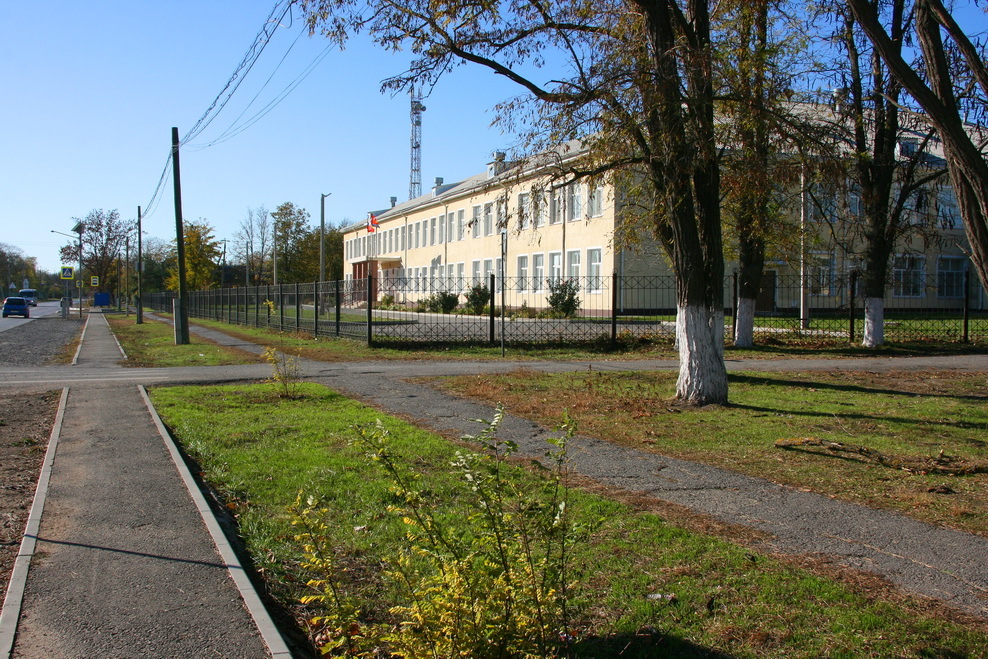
{"x":415,"y":180}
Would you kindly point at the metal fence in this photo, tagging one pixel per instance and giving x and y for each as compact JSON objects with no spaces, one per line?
{"x":601,"y":310}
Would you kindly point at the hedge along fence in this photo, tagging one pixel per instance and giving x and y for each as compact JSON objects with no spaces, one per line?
{"x":603,"y":310}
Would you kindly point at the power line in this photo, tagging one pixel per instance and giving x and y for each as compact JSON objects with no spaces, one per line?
{"x":253,"y":53}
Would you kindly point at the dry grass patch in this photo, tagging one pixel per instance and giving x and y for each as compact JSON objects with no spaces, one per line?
{"x":929,"y":430}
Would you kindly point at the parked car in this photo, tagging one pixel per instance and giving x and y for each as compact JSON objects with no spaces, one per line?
{"x":30,"y":295}
{"x":16,"y":306}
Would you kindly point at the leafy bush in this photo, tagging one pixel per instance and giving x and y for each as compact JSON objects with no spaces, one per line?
{"x":478,"y":298}
{"x":563,"y":300}
{"x":442,"y":302}
{"x":500,"y":590}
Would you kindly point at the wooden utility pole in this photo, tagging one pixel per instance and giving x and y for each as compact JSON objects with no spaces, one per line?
{"x":182,"y":308}
{"x":140,"y":271}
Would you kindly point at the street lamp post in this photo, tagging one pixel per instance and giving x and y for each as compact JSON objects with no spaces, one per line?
{"x":78,"y":228}
{"x":322,"y":236}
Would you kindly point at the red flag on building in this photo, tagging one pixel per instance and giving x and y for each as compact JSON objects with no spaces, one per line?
{"x":372,"y":224}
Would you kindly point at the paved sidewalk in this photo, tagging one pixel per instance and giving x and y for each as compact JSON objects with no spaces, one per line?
{"x":124,"y":564}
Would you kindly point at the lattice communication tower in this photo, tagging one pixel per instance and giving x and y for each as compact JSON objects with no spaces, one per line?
{"x":415,"y":180}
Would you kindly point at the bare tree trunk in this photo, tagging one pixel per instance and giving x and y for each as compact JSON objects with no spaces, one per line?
{"x":700,"y":335}
{"x":744,"y":323}
{"x":874,"y":328}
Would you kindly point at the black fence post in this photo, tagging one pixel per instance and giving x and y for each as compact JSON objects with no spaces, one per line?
{"x":370,"y":314}
{"x":281,"y":307}
{"x":339,"y":304}
{"x":315,"y":308}
{"x":734,"y":304}
{"x":853,"y":284}
{"x":614,"y":305}
{"x":967,"y":304}
{"x":492,"y":308}
{"x":298,"y":309}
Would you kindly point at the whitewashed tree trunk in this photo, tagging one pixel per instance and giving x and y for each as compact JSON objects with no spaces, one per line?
{"x":702,"y":374}
{"x":744,"y":323}
{"x":874,"y":328}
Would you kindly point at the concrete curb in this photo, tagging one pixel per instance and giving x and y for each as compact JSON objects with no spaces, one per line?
{"x":255,"y":607}
{"x":82,"y":339}
{"x":12,"y":602}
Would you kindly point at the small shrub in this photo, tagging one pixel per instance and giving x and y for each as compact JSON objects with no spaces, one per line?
{"x":478,"y":298}
{"x":442,"y":302}
{"x":563,"y":300}
{"x":500,"y":588}
{"x":287,"y":372}
{"x":387,"y":301}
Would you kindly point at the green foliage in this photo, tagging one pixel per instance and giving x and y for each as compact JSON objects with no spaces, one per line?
{"x":500,"y":588}
{"x":477,"y":299}
{"x":563,"y":300}
{"x":442,"y":302}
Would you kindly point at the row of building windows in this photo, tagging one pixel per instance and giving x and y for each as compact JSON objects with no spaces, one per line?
{"x":921,"y":208}
{"x":488,"y":219}
{"x":533,"y":273}
{"x":909,"y":276}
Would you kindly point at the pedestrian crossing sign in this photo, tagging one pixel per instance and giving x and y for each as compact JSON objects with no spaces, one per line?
{"x":68,"y":272}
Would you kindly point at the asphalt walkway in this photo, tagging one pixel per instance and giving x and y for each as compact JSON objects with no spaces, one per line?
{"x":122,"y":562}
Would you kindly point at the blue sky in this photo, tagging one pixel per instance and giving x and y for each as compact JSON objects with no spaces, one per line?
{"x":93,"y":89}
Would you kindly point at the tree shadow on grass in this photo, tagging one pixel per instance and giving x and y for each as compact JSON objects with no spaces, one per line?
{"x":645,"y":644}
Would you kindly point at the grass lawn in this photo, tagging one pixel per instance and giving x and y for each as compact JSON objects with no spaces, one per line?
{"x":331,"y":349}
{"x":912,"y":443}
{"x":645,"y":587}
{"x":152,"y":343}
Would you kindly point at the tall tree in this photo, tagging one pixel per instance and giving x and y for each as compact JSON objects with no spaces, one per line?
{"x":252,"y":243}
{"x":15,"y":267}
{"x":640,"y":92}
{"x":103,"y":241}
{"x":883,"y":160}
{"x":956,"y":81}
{"x":760,"y":129}
{"x":293,"y":240}
{"x":202,"y":253}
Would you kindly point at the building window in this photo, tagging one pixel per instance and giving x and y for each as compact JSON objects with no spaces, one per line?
{"x":401,"y":234}
{"x":822,"y":204}
{"x":522,"y":273}
{"x":460,"y":224}
{"x":488,"y":269}
{"x":908,"y":275}
{"x":498,"y":273}
{"x":822,"y":279}
{"x":460,"y":274}
{"x":557,"y":205}
{"x":555,"y":266}
{"x":538,"y":209}
{"x":475,"y":273}
{"x":574,"y":202}
{"x":538,"y":272}
{"x":476,"y":222}
{"x":595,"y":203}
{"x":573,"y":265}
{"x":418,"y":231}
{"x":488,"y":219}
{"x":948,"y":215}
{"x":593,"y":270}
{"x":432,"y":231}
{"x":441,"y":221}
{"x":950,"y":276}
{"x":524,"y":210}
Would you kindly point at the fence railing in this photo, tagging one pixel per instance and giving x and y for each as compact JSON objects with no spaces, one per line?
{"x":599,"y":309}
